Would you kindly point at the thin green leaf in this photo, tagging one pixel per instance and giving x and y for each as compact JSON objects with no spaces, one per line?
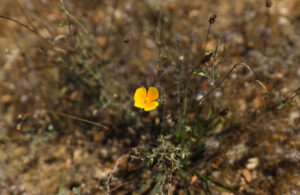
{"x":216,"y":183}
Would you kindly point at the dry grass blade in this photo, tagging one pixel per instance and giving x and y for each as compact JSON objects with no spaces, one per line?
{"x":80,"y":119}
{"x":218,"y":184}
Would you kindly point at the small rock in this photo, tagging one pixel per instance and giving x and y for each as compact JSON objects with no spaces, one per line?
{"x":101,"y":173}
{"x":194,"y":13}
{"x":252,"y":163}
{"x":150,"y":44}
{"x":6,"y":98}
{"x":60,"y":152}
{"x":247,"y":175}
{"x":101,"y":41}
{"x":77,"y":154}
{"x":282,"y":21}
{"x":194,"y":179}
{"x":293,"y":116}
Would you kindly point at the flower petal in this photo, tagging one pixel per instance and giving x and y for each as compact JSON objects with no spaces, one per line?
{"x":152,"y":94}
{"x":139,"y":104}
{"x":151,"y":106}
{"x":140,"y":97}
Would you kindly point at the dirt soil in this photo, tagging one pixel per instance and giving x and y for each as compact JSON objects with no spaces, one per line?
{"x":69,"y":71}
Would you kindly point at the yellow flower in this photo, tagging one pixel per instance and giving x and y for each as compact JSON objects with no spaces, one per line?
{"x":145,"y":100}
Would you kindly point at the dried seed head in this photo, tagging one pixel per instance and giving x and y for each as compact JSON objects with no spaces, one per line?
{"x":159,"y":44}
{"x":212,"y":19}
{"x":206,"y":58}
{"x":269,"y":3}
{"x":127,"y":39}
{"x":19,"y":127}
{"x":224,"y":112}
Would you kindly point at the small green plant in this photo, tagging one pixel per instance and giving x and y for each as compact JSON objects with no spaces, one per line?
{"x":165,"y":160}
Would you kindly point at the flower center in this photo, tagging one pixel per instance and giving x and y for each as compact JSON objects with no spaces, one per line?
{"x":146,"y":101}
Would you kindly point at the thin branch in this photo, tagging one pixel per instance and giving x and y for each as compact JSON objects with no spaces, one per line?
{"x":68,"y":20}
{"x":30,"y":23}
{"x":80,"y":119}
{"x":253,"y":186}
{"x":108,"y":190}
{"x":24,"y":117}
{"x":214,"y":61}
{"x":71,"y":17}
{"x":253,"y":116}
{"x":20,"y":23}
{"x":121,"y":185}
{"x":26,"y":16}
{"x":206,"y":40}
{"x":227,"y":76}
{"x":211,"y":21}
{"x":112,"y":171}
{"x":25,"y":26}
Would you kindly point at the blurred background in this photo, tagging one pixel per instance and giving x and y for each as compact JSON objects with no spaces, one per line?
{"x":228,"y":74}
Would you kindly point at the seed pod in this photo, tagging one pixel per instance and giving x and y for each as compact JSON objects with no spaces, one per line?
{"x":151,"y":161}
{"x":182,"y":156}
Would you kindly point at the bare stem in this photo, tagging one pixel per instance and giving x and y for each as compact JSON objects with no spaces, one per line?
{"x":206,"y":40}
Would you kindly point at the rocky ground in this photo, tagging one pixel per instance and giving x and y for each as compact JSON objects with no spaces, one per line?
{"x":69,"y":70}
